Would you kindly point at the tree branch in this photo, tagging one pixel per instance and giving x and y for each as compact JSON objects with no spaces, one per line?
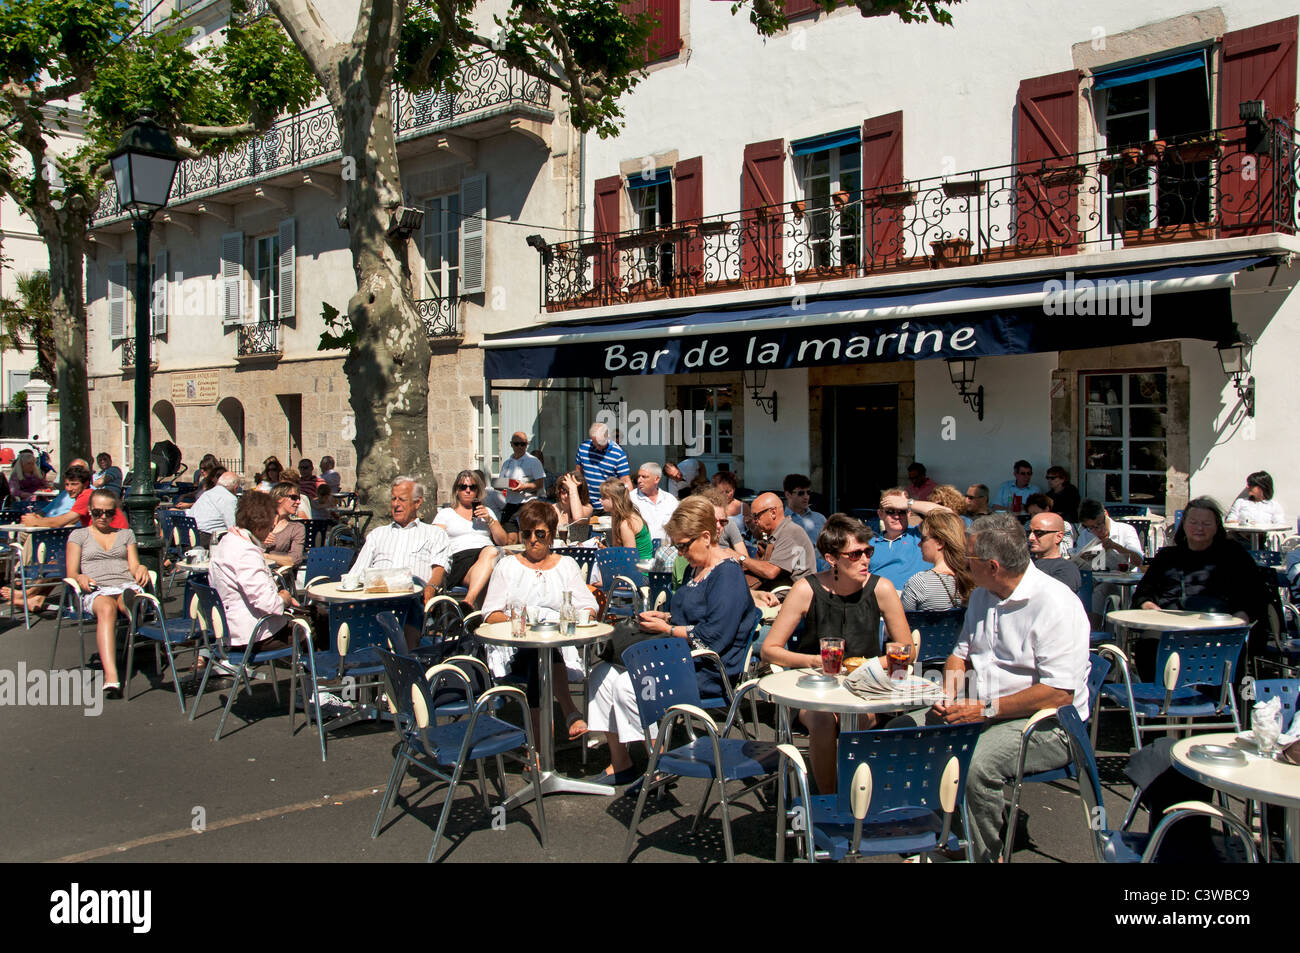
{"x":193,"y":132}
{"x":323,"y":50}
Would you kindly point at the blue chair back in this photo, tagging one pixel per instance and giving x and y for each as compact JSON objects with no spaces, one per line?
{"x":1085,"y":761}
{"x":14,"y":508}
{"x":1120,"y":510}
{"x":402,"y":672}
{"x":50,"y":552}
{"x":1283,"y":688}
{"x":209,"y":607}
{"x":1085,"y":589}
{"x":662,"y":675}
{"x":658,"y":582}
{"x":364,"y":628}
{"x":1202,"y":655}
{"x":314,"y":533}
{"x":906,"y":764}
{"x":1098,"y":669}
{"x":939,"y":631}
{"x":329,"y":561}
{"x":1267,"y":557}
{"x":584,"y":556}
{"x":617,"y":561}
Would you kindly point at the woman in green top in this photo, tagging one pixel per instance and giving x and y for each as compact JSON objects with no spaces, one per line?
{"x":627,"y":528}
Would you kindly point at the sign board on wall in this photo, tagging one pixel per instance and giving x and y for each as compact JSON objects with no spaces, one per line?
{"x":195,"y":388}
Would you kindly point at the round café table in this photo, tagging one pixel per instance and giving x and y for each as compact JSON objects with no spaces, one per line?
{"x":333,"y":592}
{"x":22,"y":528}
{"x":498,"y":633}
{"x":1125,"y":582}
{"x":786,"y":691}
{"x":1261,"y":534}
{"x":1259,"y":779}
{"x":1168,"y":620}
{"x":1150,"y":524}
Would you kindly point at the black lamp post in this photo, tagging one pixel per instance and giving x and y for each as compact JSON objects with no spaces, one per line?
{"x":144,"y":165}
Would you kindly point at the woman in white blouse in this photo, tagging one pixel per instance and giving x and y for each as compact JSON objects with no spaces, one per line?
{"x":1257,"y":507}
{"x":472,"y":529}
{"x":538,"y":578}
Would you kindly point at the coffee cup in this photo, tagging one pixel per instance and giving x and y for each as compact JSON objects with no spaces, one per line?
{"x":584,"y":617}
{"x":351,"y":580}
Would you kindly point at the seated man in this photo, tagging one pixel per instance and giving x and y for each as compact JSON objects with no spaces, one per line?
{"x":788,"y":555}
{"x":1042,"y":503}
{"x":919,"y":486}
{"x":897,"y":547}
{"x":656,"y":506}
{"x":406,"y":542}
{"x":109,"y":477}
{"x":977,"y":500}
{"x":1105,"y":544}
{"x":1013,"y":493}
{"x":798,"y":494}
{"x":1046,"y":530}
{"x":1026,"y":641}
{"x":214,"y":512}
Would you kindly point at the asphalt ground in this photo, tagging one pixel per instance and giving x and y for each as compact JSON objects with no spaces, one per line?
{"x":141,"y":783}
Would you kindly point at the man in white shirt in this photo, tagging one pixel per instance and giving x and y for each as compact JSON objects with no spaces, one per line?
{"x":1026,"y":641}
{"x":406,"y":542}
{"x":214,"y":512}
{"x":525,"y":475}
{"x":1118,"y":541}
{"x":654,"y":505}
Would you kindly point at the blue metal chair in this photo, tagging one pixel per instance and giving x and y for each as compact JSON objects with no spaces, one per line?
{"x":1096,"y":637}
{"x":433,"y":748}
{"x":898,"y":790}
{"x":939,"y":632}
{"x":49,"y":549}
{"x":1195,"y":671}
{"x":584,"y":556}
{"x":663,"y":678}
{"x":658,"y":585}
{"x":1268,"y":557}
{"x":328,"y":563}
{"x":1286,"y":689}
{"x":315,"y":532}
{"x":620,"y":579}
{"x":148,"y":624}
{"x":1120,"y":845}
{"x":1120,"y":510}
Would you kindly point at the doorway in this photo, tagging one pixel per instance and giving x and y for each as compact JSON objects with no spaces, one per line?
{"x":861,"y":456}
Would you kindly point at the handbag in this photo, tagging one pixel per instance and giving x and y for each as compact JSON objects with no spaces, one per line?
{"x":627,"y":633}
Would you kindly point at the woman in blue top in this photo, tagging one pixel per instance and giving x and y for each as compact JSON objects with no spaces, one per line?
{"x":712,"y":609}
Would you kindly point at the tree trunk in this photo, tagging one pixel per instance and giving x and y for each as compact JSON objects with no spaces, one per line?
{"x":388,"y":369}
{"x":64,"y":235}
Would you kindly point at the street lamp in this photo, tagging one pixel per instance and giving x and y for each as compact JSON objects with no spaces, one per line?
{"x":144,"y":165}
{"x":961,"y":371}
{"x":1234,"y":357}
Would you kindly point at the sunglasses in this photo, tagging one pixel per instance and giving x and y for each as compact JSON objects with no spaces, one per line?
{"x":761,"y":513}
{"x":893,"y":512}
{"x":103,"y":514}
{"x":853,"y":555}
{"x":798,"y":492}
{"x":1040,"y":533}
{"x":293,"y":496}
{"x":684,"y":543}
{"x":539,"y":534}
{"x":462,"y":487}
{"x":518,"y":443}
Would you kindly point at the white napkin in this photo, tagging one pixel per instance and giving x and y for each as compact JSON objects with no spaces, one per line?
{"x":1270,"y":713}
{"x":870,"y":680}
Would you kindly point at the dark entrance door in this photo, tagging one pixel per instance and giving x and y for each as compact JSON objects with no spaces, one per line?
{"x":861,"y":424}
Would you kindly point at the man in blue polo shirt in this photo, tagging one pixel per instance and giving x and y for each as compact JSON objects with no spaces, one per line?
{"x":600,"y":459}
{"x":897,"y":554}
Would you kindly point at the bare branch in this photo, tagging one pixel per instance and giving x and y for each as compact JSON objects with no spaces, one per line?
{"x":315,"y":40}
{"x":193,"y":132}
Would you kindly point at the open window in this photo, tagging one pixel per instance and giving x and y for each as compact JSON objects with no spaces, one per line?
{"x":652,"y":209}
{"x":440,"y":246}
{"x":829,"y":173}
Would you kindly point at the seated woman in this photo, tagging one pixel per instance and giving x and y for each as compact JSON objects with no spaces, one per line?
{"x":291,"y":475}
{"x":1203,"y":571}
{"x":1256,"y":504}
{"x":26,"y":477}
{"x":626,"y":527}
{"x":947,"y":495}
{"x":848,"y":602}
{"x":285,"y":544}
{"x":472,"y":529}
{"x":573,"y":507}
{"x":248,"y":591}
{"x":538,"y":578}
{"x":105,"y":562}
{"x":712,"y":609}
{"x":948,"y":585}
{"x":322,"y":508}
{"x":727,"y":485}
{"x":272,"y":473}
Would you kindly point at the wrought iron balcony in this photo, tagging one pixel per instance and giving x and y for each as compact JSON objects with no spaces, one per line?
{"x":128,"y":353}
{"x":1197,"y":187}
{"x":258,"y":340}
{"x":312,"y":137}
{"x":440,"y":316}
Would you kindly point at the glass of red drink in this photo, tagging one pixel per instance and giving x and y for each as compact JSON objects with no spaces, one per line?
{"x":832,"y":654}
{"x":900,"y":657}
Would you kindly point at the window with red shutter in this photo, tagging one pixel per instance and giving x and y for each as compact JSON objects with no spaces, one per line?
{"x":762,"y":192}
{"x":1047,"y":136}
{"x":689,"y":196}
{"x":665,"y":39}
{"x":798,"y":8}
{"x":608,"y":207}
{"x":882,"y":170}
{"x":1257,"y":63}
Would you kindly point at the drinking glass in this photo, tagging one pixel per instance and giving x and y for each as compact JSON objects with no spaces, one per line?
{"x":518,"y":619}
{"x":832,"y":654}
{"x":1266,"y":738}
{"x":900,"y":657}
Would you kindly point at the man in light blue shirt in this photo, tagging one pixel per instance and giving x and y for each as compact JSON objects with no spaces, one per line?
{"x":63,"y":502}
{"x":1013,"y":495}
{"x":601,"y":459}
{"x":798,"y":495}
{"x":215,"y":510}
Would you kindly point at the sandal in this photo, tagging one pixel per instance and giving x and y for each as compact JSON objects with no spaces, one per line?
{"x":572,"y":719}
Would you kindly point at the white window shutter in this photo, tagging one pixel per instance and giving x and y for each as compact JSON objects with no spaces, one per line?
{"x":473,"y":232}
{"x":159,"y":303}
{"x":232,"y":277}
{"x":116,"y":300}
{"x":288,"y":265}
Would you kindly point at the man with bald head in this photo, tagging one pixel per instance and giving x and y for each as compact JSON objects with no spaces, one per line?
{"x":1046,"y":530}
{"x":788,"y":555}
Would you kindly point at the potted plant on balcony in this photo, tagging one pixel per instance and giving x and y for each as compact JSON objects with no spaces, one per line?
{"x":798,"y":209}
{"x":1131,"y":156}
{"x":898,"y":198}
{"x":949,"y":252}
{"x":840,"y":199}
{"x":1154,"y":151}
{"x":1199,"y":149}
{"x":1062,"y":175}
{"x":963,"y":188}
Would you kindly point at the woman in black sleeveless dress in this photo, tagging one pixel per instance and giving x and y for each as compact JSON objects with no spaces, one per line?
{"x":845,"y":601}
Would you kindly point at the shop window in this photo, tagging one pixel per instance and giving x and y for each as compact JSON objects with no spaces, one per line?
{"x":1124,"y":448}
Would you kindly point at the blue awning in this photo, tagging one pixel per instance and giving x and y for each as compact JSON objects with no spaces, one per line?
{"x":831,"y":140}
{"x":661,"y":177}
{"x":1077,"y":310}
{"x":1181,"y":63}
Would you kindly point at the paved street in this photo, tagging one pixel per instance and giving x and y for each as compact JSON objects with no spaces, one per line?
{"x":129,"y":784}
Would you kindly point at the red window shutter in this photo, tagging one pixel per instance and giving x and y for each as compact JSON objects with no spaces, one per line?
{"x":882,"y":169}
{"x":1047,"y":135}
{"x":1258,"y":63}
{"x":688,"y":209}
{"x":762,"y":192}
{"x":795,"y":8}
{"x":609,"y":203}
{"x":666,"y":36}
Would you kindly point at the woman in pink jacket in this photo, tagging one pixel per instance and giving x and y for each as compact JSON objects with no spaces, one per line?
{"x":249,"y":592}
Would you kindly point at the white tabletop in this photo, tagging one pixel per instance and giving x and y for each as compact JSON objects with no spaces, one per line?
{"x":498,"y":633}
{"x":1258,"y":527}
{"x":1259,"y":779}
{"x":1169,"y":620}
{"x":1144,"y":518}
{"x":331,"y":592}
{"x":1114,"y":577}
{"x":783,"y":689}
{"x":21,"y":528}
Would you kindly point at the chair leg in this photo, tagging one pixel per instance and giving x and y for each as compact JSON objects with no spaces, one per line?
{"x":230,"y":700}
{"x":726,"y":819}
{"x":390,"y":792}
{"x":176,"y":681}
{"x":501,"y":776}
{"x":58,"y":626}
{"x":482,"y":786}
{"x":533,"y":769}
{"x":129,"y":670}
{"x":640,"y":803}
{"x":203,"y":684}
{"x":704,"y":802}
{"x":275,"y":682}
{"x":446,"y":811}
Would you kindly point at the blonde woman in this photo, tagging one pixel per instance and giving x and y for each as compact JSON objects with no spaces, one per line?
{"x":473,"y":529}
{"x":627,"y":528}
{"x":948,"y":585}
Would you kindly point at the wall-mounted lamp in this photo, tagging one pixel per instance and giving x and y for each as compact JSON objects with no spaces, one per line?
{"x":603,"y":387}
{"x":1234,"y":356}
{"x":1254,"y":115}
{"x":406,"y":222}
{"x":962,"y":373}
{"x":756,"y":381}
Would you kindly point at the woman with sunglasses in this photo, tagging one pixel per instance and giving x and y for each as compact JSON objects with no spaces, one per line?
{"x":626,"y":527}
{"x":105,"y":562}
{"x":473,"y":529}
{"x":285,"y":544}
{"x":272,"y":473}
{"x":712,"y":609}
{"x":539,"y":579}
{"x":948,"y":585}
{"x":846,"y":601}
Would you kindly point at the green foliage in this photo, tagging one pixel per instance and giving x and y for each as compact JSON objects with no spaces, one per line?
{"x":18,"y":401}
{"x":338,"y":333}
{"x":56,"y":37}
{"x":29,"y":322}
{"x":768,"y":16}
{"x":262,"y":71}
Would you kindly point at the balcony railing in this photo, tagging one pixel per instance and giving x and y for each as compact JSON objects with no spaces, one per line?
{"x":312,"y":137}
{"x":1206,"y":186}
{"x":128,"y":352}
{"x":440,"y":316}
{"x":258,"y":340}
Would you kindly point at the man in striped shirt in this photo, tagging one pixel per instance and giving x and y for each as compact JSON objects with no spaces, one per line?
{"x":601,"y":459}
{"x":406,"y":542}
